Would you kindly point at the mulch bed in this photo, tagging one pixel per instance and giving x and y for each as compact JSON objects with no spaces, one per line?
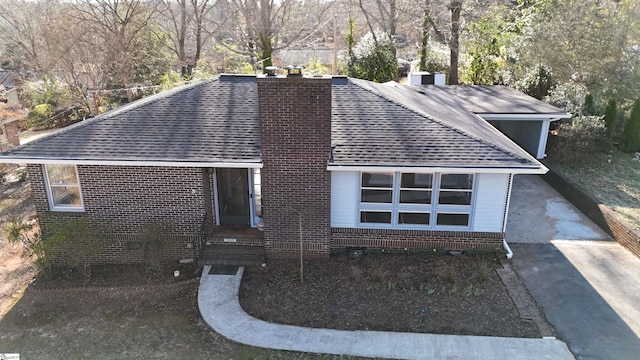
{"x":423,"y":292}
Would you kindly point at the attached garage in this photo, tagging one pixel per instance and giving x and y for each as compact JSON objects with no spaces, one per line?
{"x":524,"y":119}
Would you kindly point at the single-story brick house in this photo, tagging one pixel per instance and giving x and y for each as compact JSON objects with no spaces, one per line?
{"x":356,"y":163}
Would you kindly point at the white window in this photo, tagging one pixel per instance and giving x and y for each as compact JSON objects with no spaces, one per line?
{"x":63,"y":187}
{"x":416,"y":200}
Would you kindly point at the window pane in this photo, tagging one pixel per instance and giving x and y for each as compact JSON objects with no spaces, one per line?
{"x":66,"y":195}
{"x":376,"y":196}
{"x":456,"y":181}
{"x":256,"y":177}
{"x":62,"y":174}
{"x":413,"y":218}
{"x":375,"y":217}
{"x":410,"y":180}
{"x":415,"y":197}
{"x":455,"y":198}
{"x":377,"y":180}
{"x":453,"y":219}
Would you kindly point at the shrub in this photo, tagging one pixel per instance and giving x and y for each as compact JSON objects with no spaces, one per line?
{"x":589,"y":107}
{"x":39,"y":114}
{"x":14,"y":229}
{"x":581,"y":135}
{"x":610,"y":118}
{"x":537,"y":82}
{"x":569,"y":96}
{"x":372,"y":58}
{"x":631,"y":133}
{"x":72,"y":240}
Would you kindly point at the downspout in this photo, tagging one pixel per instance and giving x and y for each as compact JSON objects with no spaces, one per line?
{"x":504,"y":221}
{"x":507,"y":249}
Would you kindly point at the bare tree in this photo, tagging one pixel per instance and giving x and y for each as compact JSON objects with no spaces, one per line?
{"x":26,"y":28}
{"x":186,"y":22}
{"x":121,"y":36}
{"x":265,"y":26}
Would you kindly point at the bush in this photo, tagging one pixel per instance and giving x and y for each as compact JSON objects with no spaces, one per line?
{"x":611,"y":118}
{"x":537,"y":82}
{"x":14,"y":229}
{"x":39,"y":114}
{"x":581,"y":135}
{"x":569,"y":96}
{"x":372,"y":58}
{"x":631,"y":133}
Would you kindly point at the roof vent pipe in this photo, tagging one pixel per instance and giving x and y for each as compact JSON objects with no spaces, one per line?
{"x":271,"y":70}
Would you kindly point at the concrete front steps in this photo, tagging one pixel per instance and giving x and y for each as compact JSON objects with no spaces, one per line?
{"x":223,"y":254}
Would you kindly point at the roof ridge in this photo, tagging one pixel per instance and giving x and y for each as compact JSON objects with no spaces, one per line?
{"x":119,"y":110}
{"x":361,"y":83}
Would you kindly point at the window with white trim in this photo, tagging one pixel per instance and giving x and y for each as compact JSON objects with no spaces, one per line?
{"x":63,"y":187}
{"x":415,"y":200}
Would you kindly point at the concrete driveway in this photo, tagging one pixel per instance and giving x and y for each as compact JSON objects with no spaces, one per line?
{"x":587,"y":284}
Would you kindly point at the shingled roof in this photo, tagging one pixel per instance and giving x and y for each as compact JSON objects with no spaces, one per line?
{"x":496,"y":99}
{"x":210,"y":122}
{"x":217,"y":123}
{"x":7,"y":79}
{"x":398,"y":125}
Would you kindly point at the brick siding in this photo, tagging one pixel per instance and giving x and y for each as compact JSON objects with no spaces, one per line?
{"x":125,"y":205}
{"x":295,"y":127}
{"x":415,"y":239}
{"x":607,"y":219}
{"x":11,"y":133}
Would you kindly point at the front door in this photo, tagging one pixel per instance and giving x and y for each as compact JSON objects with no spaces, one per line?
{"x":233,"y":196}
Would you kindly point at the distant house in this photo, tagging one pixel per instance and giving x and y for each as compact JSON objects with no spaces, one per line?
{"x":358,"y":164}
{"x":304,"y":57}
{"x":8,"y":95}
{"x":8,"y":91}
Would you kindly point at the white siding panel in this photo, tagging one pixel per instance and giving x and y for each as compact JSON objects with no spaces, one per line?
{"x":344,"y":198}
{"x":492,"y":190}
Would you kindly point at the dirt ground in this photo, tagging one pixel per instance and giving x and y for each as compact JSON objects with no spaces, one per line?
{"x":127,"y":312}
{"x":16,"y":271}
{"x":421,"y":292}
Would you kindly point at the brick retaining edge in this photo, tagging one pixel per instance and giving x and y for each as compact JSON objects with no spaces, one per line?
{"x":612,"y":223}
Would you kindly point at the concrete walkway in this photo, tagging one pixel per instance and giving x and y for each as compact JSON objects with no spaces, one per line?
{"x":220,"y":308}
{"x":587,"y":285}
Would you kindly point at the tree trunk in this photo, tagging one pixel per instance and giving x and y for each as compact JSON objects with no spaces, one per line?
{"x":424,"y":41}
{"x":456,"y":6}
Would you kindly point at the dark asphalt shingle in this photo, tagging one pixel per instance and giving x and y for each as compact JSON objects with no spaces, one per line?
{"x":495,"y":99}
{"x":392,"y":124}
{"x":218,"y":121}
{"x":207,"y":122}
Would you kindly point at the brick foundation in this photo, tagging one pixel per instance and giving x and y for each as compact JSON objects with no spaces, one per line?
{"x":415,"y":239}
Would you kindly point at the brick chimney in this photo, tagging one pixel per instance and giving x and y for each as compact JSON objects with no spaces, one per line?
{"x":295,"y":138}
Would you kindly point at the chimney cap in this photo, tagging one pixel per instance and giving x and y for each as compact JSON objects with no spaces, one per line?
{"x":271,"y":70}
{"x":294,"y":70}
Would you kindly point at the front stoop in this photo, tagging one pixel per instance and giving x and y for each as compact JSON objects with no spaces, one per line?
{"x":242,"y":255}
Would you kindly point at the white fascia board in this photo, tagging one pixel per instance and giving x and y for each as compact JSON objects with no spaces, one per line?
{"x":218,"y":164}
{"x":449,"y":170}
{"x":524,"y":117}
